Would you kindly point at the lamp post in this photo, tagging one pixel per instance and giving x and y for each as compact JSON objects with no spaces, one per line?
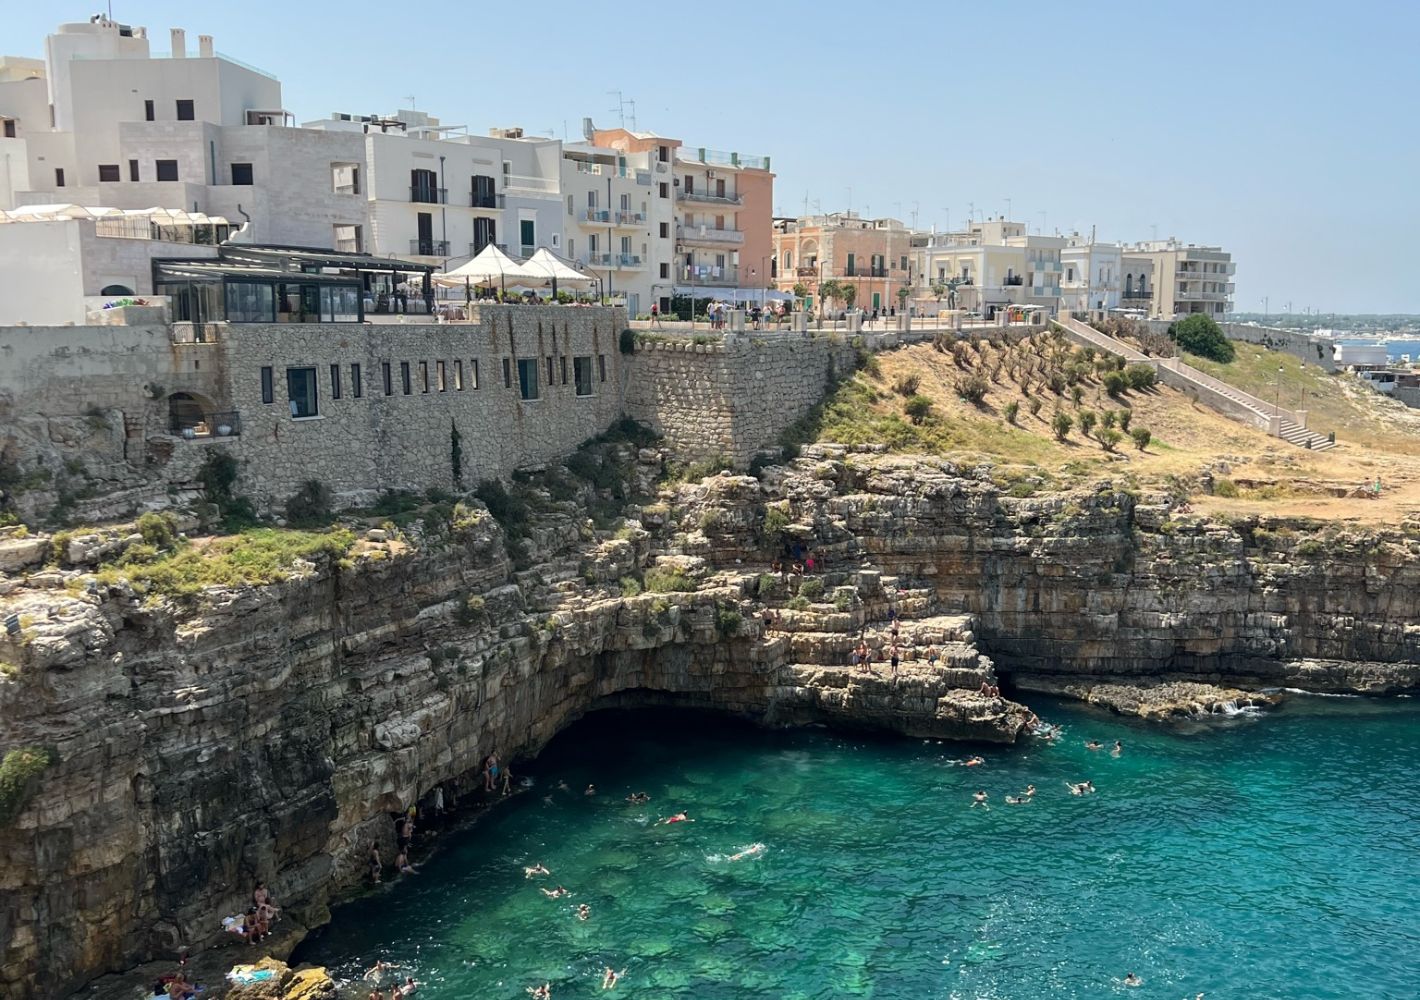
{"x":1277,"y":399}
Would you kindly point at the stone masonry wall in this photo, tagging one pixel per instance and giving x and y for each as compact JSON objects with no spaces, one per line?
{"x":730,"y":399}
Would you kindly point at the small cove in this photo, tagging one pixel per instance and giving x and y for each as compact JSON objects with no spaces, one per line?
{"x":1269,"y":857}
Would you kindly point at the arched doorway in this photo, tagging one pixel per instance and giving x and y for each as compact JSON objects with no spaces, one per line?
{"x":116,"y":290}
{"x":187,"y":412}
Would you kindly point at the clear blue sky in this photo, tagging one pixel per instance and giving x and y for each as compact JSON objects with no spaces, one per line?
{"x":1282,"y":131}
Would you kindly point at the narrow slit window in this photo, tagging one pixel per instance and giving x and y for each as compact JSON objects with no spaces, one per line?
{"x":564,"y":369}
{"x":389,"y":382}
{"x":334,"y":381}
{"x":423,"y":376}
{"x":356,"y":389}
{"x":404,"y":377}
{"x":441,"y":374}
{"x":268,"y":394}
{"x":473,"y":372}
{"x":601,"y":366}
{"x":507,"y":373}
{"x":549,"y":371}
{"x":458,"y":376}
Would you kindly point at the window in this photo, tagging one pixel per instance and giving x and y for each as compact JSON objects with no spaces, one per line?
{"x":59,"y":177}
{"x":665,"y":189}
{"x":665,"y":230}
{"x":424,"y":187}
{"x":689,"y":185}
{"x":441,"y":376}
{"x":9,"y":128}
{"x":185,"y":111}
{"x":571,"y":205}
{"x":268,"y":394}
{"x":663,"y":153}
{"x":507,"y":374}
{"x":250,"y":303}
{"x":549,"y":371}
{"x":582,"y":371}
{"x":356,"y":389}
{"x":385,"y":376}
{"x":665,"y":270}
{"x":167,"y":170}
{"x":458,"y":376}
{"x":564,"y":369}
{"x":423,"y":376}
{"x":241,"y":174}
{"x":903,"y":265}
{"x":527,"y":377}
{"x":591,"y":199}
{"x":334,"y":381}
{"x":345,"y":178}
{"x":404,"y":377}
{"x":601,"y":365}
{"x":528,"y":229}
{"x":148,"y":115}
{"x":108,"y":172}
{"x":473,"y":372}
{"x":592,"y":243}
{"x":133,"y":170}
{"x":626,"y":245}
{"x":301,"y":387}
{"x":849,"y":272}
{"x":626,"y":203}
{"x":348,"y":239}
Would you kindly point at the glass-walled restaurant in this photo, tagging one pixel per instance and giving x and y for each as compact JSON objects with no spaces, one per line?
{"x":283,"y":285}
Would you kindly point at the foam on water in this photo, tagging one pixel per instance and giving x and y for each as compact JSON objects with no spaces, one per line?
{"x":1271,"y":860}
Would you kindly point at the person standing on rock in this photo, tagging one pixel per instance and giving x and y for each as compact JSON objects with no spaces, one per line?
{"x":377,"y":866}
{"x":490,"y":772}
{"x":895,"y":656}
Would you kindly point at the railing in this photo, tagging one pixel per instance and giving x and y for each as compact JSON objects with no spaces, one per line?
{"x":708,"y":234}
{"x":705,"y":197}
{"x":526,"y":250}
{"x":428,"y":195}
{"x":806,"y":272}
{"x":347,"y":246}
{"x":600,"y":169}
{"x":1013,"y":280}
{"x":858,"y":272}
{"x":429,"y":248}
{"x":478,"y":199}
{"x":524,"y":182}
{"x":474,"y":249}
{"x":1139,"y":294}
{"x":717,"y":158}
{"x":613,"y":217}
{"x":706,"y":274}
{"x":614,"y":260}
{"x":1044,"y":265}
{"x":218,"y":424}
{"x":347,"y":189}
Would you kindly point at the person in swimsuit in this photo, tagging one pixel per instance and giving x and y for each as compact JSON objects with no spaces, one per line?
{"x":975,"y":762}
{"x":1132,"y":980}
{"x":377,"y":994}
{"x":979,"y":799}
{"x":490,"y":772}
{"x":591,"y":790}
{"x":562,"y":786}
{"x":677,"y":818}
{"x":376,"y":865}
{"x":410,"y":985}
{"x":583,"y":912}
{"x":536,"y":869}
{"x":402,"y":865}
{"x":1019,"y":800}
{"x":378,"y":969}
{"x":1118,"y":748}
{"x":932,"y":656}
{"x":557,"y":893}
{"x":609,"y":980}
{"x":748,"y":852}
{"x":893,"y":658}
{"x":1094,"y":745}
{"x":1029,"y":792}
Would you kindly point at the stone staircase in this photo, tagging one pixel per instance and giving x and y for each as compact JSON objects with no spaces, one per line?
{"x":1226,"y":399}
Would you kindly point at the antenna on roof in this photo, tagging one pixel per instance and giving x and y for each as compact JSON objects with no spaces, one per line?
{"x":620,"y":109}
{"x":633,"y":113}
{"x":410,"y":99}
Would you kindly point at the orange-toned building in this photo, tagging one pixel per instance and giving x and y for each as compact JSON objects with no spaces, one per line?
{"x":722,"y":216}
{"x":873,"y":255}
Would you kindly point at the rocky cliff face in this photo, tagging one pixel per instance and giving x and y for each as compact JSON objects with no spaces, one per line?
{"x":269,"y":732}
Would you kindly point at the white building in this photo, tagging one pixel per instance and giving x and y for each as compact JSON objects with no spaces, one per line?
{"x":1182,"y":278}
{"x":1092,"y":275}
{"x":991,"y":266}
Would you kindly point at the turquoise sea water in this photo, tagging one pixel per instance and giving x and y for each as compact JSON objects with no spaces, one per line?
{"x":1257,"y":858}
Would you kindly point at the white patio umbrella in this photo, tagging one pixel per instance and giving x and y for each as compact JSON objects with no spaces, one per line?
{"x":490,"y":265}
{"x":557,"y":270}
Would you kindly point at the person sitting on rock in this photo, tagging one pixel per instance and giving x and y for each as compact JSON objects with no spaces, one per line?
{"x":180,"y":989}
{"x":932,"y":656}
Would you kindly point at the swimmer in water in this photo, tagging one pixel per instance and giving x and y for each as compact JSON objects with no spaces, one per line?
{"x":1029,"y":792}
{"x":610,"y":979}
{"x":536,"y":869}
{"x":1132,"y":980}
{"x":979,"y":799}
{"x":1019,"y":800}
{"x":748,"y":852}
{"x":557,"y":893}
{"x":543,"y":992}
{"x":562,"y":787}
{"x":677,"y":818}
{"x":583,"y":912}
{"x":974,"y":762}
{"x":378,"y":971}
{"x":1094,"y":745}
{"x":1079,"y":789}
{"x":1118,"y":748}
{"x":591,"y":790}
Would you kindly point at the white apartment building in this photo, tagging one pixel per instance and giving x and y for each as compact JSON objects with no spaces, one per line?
{"x":1092,"y":275}
{"x":438,"y":194}
{"x":1181,"y":279}
{"x":618,"y":228}
{"x":991,"y":266}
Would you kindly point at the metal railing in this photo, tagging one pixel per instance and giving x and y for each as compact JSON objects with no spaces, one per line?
{"x":479,"y":199}
{"x":225,"y":423}
{"x":708,"y":234}
{"x":614,"y":260}
{"x":474,"y":249}
{"x":613,"y":217}
{"x":706,"y":274}
{"x":428,"y":195}
{"x":429,"y":248}
{"x":705,"y":197}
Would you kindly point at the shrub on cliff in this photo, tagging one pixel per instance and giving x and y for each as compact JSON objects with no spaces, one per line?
{"x":906,"y":385}
{"x":1115,"y":383}
{"x":309,"y":507}
{"x":668,"y":580}
{"x":1010,"y":411}
{"x":972,"y":388}
{"x":158,"y":530}
{"x":1087,"y":422}
{"x":1061,"y":426}
{"x":1141,"y":437}
{"x":811,"y":588}
{"x":918,"y":409}
{"x":1141,"y":376}
{"x":1109,"y":438}
{"x":627,"y":341}
{"x":1198,"y":334}
{"x":18,"y":770}
{"x":728,"y":621}
{"x":508,"y":510}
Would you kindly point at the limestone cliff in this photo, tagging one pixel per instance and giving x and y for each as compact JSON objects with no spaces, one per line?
{"x":268,"y":732}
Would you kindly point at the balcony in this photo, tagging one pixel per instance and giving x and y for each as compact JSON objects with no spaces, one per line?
{"x":859,"y":272}
{"x":429,"y":195}
{"x":474,"y":249}
{"x":1012,"y":280}
{"x":347,"y":189}
{"x":806,"y":272}
{"x":611,"y":217}
{"x":191,"y":424}
{"x":615,"y":261}
{"x":707,"y":274}
{"x":531,"y":185}
{"x":1044,"y":265}
{"x":715,"y":158}
{"x":600,"y":169}
{"x":709,"y":236}
{"x":429,"y":248}
{"x":706,"y":198}
{"x":1137,"y":294}
{"x":479,"y":199}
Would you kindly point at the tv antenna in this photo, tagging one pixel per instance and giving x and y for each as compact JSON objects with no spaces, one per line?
{"x":410,"y":99}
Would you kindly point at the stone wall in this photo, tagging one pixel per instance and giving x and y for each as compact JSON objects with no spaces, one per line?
{"x":1313,"y":350}
{"x":730,"y":398}
{"x":380,"y":439}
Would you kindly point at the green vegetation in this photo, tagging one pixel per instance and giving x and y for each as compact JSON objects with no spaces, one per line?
{"x":218,"y":475}
{"x":918,"y":409}
{"x":811,"y":587}
{"x":255,"y":557}
{"x":1010,"y":411}
{"x":1087,"y":422}
{"x":798,"y":603}
{"x":972,"y":388}
{"x":1061,"y":426}
{"x":776,"y":519}
{"x":626,"y":341}
{"x":510,"y":511}
{"x":1198,"y":334}
{"x":1115,"y":383}
{"x":1141,"y":437}
{"x":309,"y":507}
{"x":630,"y":586}
{"x":728,"y":621}
{"x":1141,"y":376}
{"x":1109,"y":438}
{"x":1225,"y":488}
{"x":18,"y":770}
{"x":668,"y":580}
{"x":158,"y":530}
{"x":906,"y":385}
